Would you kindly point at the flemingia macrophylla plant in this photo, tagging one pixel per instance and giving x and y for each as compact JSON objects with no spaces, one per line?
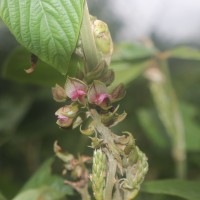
{"x":53,"y":31}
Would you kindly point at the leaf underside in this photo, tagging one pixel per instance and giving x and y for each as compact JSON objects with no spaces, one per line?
{"x":49,"y":29}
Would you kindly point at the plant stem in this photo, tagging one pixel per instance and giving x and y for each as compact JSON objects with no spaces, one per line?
{"x":107,"y":135}
{"x":169,"y":113}
{"x":84,"y":194}
{"x":178,"y":151}
{"x":117,"y":195}
{"x":112,"y":154}
{"x":110,"y":180}
{"x":87,"y":39}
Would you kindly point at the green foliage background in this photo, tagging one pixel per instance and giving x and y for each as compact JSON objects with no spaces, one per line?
{"x":28,"y":129}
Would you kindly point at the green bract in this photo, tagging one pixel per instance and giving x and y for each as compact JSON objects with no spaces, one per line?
{"x":49,"y":29}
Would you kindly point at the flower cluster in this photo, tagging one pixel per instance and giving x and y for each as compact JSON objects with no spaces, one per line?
{"x":81,"y":97}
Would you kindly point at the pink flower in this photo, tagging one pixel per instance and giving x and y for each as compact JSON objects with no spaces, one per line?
{"x":77,"y":94}
{"x":101,"y":98}
{"x":65,"y":115}
{"x":76,"y":89}
{"x":64,"y":121}
{"x":97,"y":94}
{"x":62,"y":117}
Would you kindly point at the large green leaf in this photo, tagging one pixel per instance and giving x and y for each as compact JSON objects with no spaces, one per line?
{"x":44,"y":185}
{"x":186,"y":189}
{"x":49,"y":29}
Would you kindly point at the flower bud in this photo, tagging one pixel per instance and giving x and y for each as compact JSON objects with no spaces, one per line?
{"x":108,"y":77}
{"x":103,"y":39}
{"x":66,"y":115}
{"x":64,"y":121}
{"x":136,"y":169}
{"x":59,"y":94}
{"x":97,"y":72}
{"x":68,"y":110}
{"x":118,"y":93}
{"x":98,"y":174}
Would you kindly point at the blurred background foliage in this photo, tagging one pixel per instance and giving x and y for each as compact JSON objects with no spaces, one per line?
{"x":28,"y":129}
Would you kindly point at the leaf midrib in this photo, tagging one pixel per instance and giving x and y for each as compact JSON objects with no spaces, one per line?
{"x":46,"y":21}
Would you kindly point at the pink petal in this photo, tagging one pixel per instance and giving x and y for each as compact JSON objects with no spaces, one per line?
{"x":101,"y":97}
{"x":62,"y":117}
{"x":77,"y":94}
{"x":75,"y":88}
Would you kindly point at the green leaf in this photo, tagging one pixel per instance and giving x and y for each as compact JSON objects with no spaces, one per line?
{"x":181,"y":188}
{"x":19,"y":59}
{"x":185,"y":53}
{"x":2,"y":197}
{"x":44,"y":177}
{"x":44,"y":193}
{"x":152,"y":129}
{"x":126,"y":72}
{"x":132,"y":52}
{"x":49,"y":29}
{"x":13,"y":109}
{"x":44,"y":185}
{"x":192,"y":136}
{"x":129,"y":61}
